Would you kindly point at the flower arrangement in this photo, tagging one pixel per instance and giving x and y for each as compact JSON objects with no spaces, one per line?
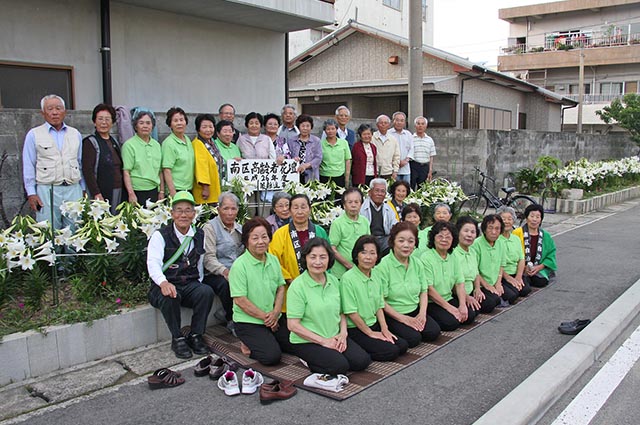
{"x":595,"y":176}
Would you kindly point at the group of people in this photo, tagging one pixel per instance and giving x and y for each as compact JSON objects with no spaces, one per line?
{"x":369,"y":289}
{"x":336,"y":300}
{"x":59,"y":165}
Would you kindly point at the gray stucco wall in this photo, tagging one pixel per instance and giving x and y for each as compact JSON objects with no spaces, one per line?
{"x":458,"y":151}
{"x":159,"y":59}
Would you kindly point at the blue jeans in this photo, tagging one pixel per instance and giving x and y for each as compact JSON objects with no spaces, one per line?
{"x":52,"y":197}
{"x":404,"y":177}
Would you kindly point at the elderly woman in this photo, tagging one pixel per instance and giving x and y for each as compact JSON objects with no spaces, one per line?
{"x":447,"y":295}
{"x":253,"y":144}
{"x":363,"y":304}
{"x":223,"y":239}
{"x":280,"y":214}
{"x":306,"y":150}
{"x":177,"y":153}
{"x":336,"y":156}
{"x":399,"y":191}
{"x":101,"y":158}
{"x":314,"y":316}
{"x":257,"y":288}
{"x":346,"y":229}
{"x":288,"y":241}
{"x":468,"y":260}
{"x":405,"y":288}
{"x":207,"y":161}
{"x":142,"y":160}
{"x":224,"y":143}
{"x":441,"y":212}
{"x":514,"y":257}
{"x":365,"y":167}
{"x":491,"y":260}
{"x":271,"y":125}
{"x":539,"y":248}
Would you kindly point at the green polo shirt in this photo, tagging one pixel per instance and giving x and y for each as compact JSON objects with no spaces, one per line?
{"x":490,"y":259}
{"x":334,"y":157}
{"x":468,"y":261}
{"x":513,"y":253}
{"x":178,"y":156}
{"x":361,"y":294}
{"x":228,"y":152}
{"x":402,"y":286}
{"x":258,"y":281}
{"x":143,"y":161}
{"x":423,"y":241}
{"x":343,"y":234}
{"x":317,"y":306}
{"x":445,"y":273}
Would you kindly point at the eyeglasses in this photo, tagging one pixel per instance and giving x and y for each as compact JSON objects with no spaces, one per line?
{"x":444,"y":236}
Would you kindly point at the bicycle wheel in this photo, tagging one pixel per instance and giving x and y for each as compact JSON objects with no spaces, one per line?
{"x":476,"y":204}
{"x":520,"y":203}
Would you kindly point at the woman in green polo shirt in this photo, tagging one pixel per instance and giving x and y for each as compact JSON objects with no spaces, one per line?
{"x":257,"y":288}
{"x":363,"y":303}
{"x":405,"y":288}
{"x":314,"y":316}
{"x":468,"y":260}
{"x":447,"y":295}
{"x":336,"y":156}
{"x":346,"y":229}
{"x":224,"y":143}
{"x":514,"y":256}
{"x":177,"y":153}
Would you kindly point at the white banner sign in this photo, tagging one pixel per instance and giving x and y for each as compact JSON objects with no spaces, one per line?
{"x":266,"y":174}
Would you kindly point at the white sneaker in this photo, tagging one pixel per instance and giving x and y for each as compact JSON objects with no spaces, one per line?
{"x":251,"y":381}
{"x":229,"y":383}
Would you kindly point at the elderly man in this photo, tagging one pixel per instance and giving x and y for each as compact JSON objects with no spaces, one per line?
{"x":421,"y":156}
{"x":52,"y":163}
{"x":175,"y":256}
{"x":343,"y":116}
{"x":388,"y":156}
{"x":227,"y":112}
{"x":380,"y":215}
{"x":405,"y":140}
{"x":288,"y":129}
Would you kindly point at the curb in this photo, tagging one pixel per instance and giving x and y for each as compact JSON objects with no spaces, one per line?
{"x":530,"y":400}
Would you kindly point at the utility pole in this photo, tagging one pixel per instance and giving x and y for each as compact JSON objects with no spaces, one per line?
{"x":415,"y":61}
{"x":580,"y":91}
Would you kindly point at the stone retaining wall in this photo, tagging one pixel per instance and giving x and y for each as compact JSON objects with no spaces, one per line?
{"x":584,"y":206}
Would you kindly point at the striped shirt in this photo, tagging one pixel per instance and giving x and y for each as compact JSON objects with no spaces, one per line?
{"x":423,"y":149}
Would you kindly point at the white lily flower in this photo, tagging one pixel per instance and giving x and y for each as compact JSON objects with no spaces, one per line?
{"x":26,"y":262}
{"x":78,"y":244}
{"x":111,"y":244}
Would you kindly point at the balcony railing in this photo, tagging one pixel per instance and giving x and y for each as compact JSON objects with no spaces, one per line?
{"x":596,"y":98}
{"x":570,"y":43}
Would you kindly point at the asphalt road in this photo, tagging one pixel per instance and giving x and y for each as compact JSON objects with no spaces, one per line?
{"x":455,"y":385}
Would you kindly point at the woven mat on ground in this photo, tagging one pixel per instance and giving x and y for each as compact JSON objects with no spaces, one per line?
{"x":290,"y":367}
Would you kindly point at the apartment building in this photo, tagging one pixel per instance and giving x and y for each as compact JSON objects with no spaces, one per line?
{"x":546,"y":41}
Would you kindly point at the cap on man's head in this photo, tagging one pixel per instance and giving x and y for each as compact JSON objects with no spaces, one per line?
{"x":183,"y":196}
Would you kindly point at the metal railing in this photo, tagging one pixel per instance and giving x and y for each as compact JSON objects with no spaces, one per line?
{"x":570,"y":43}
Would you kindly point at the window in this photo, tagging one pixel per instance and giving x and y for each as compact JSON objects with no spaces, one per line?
{"x":440,"y":110}
{"x":394,"y":4}
{"x":610,"y":88}
{"x":322,"y":109}
{"x":424,"y":10}
{"x":480,"y":117}
{"x":522,"y":121}
{"x":23,"y":85}
{"x":573,"y":89}
{"x":631,"y":87}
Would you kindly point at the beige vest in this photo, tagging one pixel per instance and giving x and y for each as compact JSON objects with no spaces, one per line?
{"x":52,"y":165}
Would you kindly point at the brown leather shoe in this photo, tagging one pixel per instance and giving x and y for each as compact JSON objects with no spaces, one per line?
{"x":277,"y":391}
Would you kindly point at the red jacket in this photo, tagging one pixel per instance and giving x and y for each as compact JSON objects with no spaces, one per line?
{"x":359,"y":163}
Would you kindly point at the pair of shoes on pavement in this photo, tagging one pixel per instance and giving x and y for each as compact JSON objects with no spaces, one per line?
{"x":277,"y":390}
{"x":214,"y":368}
{"x":251,"y":381}
{"x":185,"y":347}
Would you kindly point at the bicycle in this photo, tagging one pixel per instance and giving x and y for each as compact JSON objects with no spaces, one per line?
{"x":485,"y":200}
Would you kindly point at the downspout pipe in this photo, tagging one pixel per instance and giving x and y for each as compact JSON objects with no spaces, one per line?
{"x":286,"y":68}
{"x":105,"y":50}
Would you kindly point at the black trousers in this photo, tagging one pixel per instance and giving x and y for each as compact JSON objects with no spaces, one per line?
{"x":490,"y":302}
{"x":419,"y":173}
{"x":194,"y":295}
{"x":143,"y":195}
{"x":446,"y":320}
{"x":340,"y":180}
{"x":326,"y":360}
{"x":526,"y":290}
{"x":430,"y":332}
{"x":220,"y":287}
{"x":262,"y":341}
{"x":536,"y":281}
{"x":379,"y":350}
